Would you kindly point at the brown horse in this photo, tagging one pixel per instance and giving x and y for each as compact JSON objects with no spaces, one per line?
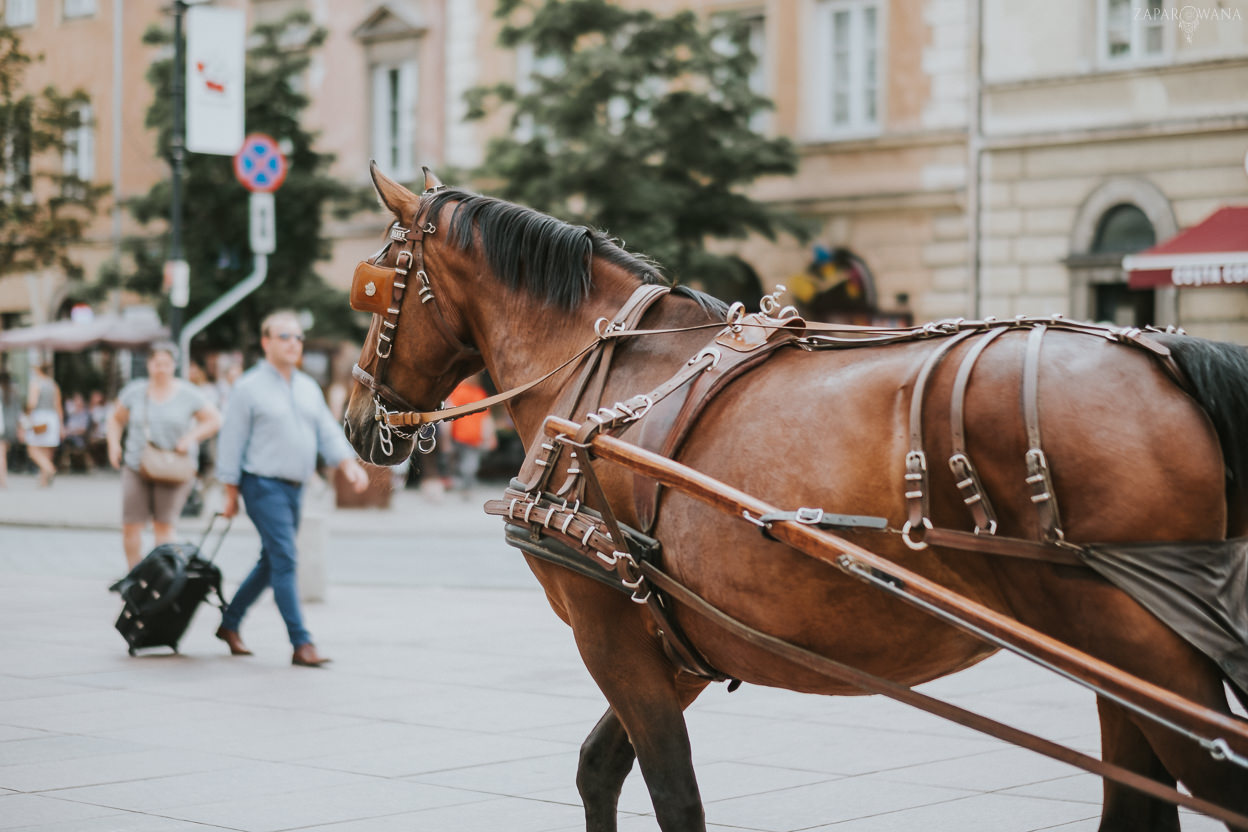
{"x":1134,"y":458}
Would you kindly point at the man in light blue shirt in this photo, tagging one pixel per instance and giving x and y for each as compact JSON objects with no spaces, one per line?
{"x":276,"y":422}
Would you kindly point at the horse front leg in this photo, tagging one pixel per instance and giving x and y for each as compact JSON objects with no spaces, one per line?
{"x":606,"y":759}
{"x":647,"y":702}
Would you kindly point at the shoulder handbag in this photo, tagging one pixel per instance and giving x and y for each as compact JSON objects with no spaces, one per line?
{"x":162,"y":465}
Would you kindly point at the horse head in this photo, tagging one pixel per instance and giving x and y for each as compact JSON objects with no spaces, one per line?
{"x":418,"y":346}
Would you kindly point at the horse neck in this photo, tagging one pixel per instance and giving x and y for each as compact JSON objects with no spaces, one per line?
{"x":521,"y":339}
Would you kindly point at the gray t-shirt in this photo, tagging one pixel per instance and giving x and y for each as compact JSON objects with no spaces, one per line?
{"x":167,"y":421}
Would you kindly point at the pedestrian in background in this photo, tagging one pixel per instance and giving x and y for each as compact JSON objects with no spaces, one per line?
{"x":97,"y":438}
{"x":77,"y":426}
{"x":10,"y":410}
{"x":171,"y":415}
{"x":276,"y":422}
{"x":44,"y":411}
{"x":473,"y":436}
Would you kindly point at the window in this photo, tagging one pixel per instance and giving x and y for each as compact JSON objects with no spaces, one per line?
{"x":847,"y":61}
{"x":19,"y":12}
{"x":528,"y":68}
{"x":756,"y":38}
{"x":17,"y":178}
{"x":79,"y":157}
{"x":79,"y":8}
{"x":1134,"y":30}
{"x":394,"y":118}
{"x":1123,"y":229}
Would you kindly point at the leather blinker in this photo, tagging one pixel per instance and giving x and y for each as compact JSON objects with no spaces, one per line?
{"x":372,"y":288}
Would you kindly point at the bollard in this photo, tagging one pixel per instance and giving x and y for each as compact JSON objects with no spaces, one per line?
{"x":313,"y":545}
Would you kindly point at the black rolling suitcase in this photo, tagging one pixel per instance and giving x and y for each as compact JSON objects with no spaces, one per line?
{"x":162,"y":592}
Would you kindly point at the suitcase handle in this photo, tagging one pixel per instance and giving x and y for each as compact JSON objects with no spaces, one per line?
{"x":229,"y":521}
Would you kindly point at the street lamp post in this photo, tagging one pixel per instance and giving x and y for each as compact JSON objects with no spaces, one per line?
{"x":177,"y":160}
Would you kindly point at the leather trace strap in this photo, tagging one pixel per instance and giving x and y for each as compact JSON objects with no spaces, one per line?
{"x":1038,"y":478}
{"x":918,"y":519}
{"x":973,"y":494}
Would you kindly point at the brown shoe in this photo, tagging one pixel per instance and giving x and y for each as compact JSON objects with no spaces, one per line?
{"x":306,"y":656}
{"x":234,"y":640}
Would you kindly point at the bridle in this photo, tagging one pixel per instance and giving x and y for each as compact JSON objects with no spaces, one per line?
{"x":380,"y":290}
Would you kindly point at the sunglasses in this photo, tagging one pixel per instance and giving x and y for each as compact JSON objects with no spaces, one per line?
{"x":287,"y":336}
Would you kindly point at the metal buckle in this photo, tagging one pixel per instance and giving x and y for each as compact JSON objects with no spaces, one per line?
{"x":399,"y":233}
{"x":809,"y":516}
{"x":707,"y":352}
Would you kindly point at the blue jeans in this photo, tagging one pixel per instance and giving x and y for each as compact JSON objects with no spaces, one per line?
{"x":273,"y":506}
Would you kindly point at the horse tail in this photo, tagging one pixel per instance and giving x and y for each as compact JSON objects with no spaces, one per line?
{"x":1217,"y":377}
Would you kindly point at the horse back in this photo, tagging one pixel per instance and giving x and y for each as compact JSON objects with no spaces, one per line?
{"x":1133,"y":458}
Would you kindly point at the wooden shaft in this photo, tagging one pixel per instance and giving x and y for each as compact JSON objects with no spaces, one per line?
{"x":845,"y":555}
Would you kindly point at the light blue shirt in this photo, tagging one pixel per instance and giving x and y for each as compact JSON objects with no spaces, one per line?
{"x":274,"y":428}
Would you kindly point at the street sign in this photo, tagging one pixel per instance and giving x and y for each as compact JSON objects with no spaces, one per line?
{"x":263,"y":225}
{"x":260,"y":165}
{"x":215,"y":44}
{"x":178,"y":282}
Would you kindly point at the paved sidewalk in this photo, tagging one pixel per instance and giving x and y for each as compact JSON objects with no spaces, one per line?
{"x":455,"y":701}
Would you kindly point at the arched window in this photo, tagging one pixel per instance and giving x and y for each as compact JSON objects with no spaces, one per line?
{"x":1123,"y":229}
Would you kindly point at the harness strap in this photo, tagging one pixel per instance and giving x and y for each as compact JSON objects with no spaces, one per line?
{"x":1038,"y":478}
{"x":623,"y":324}
{"x":964,"y":473}
{"x":918,"y":517}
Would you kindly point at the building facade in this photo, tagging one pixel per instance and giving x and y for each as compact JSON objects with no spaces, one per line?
{"x":981,"y":157}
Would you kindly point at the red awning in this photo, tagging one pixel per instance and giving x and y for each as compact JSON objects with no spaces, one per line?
{"x":1213,"y":252}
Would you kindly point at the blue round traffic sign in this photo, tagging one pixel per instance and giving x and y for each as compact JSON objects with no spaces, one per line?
{"x":260,"y":164}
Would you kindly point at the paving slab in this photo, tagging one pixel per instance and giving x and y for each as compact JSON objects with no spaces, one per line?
{"x":456,"y":700}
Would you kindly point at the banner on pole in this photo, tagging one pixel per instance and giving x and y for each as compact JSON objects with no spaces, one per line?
{"x":215,"y":66}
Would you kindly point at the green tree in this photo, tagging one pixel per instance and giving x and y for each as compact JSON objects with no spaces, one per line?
{"x":43,"y":207}
{"x":640,"y":125}
{"x":215,"y":208}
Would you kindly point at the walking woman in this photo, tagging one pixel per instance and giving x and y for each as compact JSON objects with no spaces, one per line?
{"x":164,"y":415}
{"x":44,"y":411}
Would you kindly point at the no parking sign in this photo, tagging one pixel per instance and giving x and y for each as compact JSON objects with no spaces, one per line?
{"x":260,"y":164}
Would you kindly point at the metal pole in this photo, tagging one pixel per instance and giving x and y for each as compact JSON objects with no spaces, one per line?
{"x":177,"y":159}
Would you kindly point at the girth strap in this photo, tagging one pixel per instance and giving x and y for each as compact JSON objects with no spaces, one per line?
{"x":1039,"y":478}
{"x":964,"y":473}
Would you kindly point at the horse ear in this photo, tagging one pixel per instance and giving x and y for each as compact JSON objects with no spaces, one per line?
{"x":432,"y":182}
{"x":393,"y":196}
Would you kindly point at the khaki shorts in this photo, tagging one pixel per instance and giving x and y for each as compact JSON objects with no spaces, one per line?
{"x":142,"y":500}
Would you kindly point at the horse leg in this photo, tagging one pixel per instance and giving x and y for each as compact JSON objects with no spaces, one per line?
{"x":606,"y":759}
{"x":1125,"y":809}
{"x":647,"y":699}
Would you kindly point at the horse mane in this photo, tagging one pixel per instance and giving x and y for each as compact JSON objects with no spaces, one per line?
{"x":1217,"y":375}
{"x":547,"y":257}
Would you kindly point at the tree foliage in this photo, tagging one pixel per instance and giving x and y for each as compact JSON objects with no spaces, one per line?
{"x":640,"y":125}
{"x":215,"y":204}
{"x":43,"y":208}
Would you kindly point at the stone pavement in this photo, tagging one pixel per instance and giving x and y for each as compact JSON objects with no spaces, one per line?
{"x":455,"y":701}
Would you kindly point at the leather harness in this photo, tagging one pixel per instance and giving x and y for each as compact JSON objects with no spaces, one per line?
{"x":667,"y":413}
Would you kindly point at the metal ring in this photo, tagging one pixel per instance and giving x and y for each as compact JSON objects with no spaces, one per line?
{"x":917,"y":546}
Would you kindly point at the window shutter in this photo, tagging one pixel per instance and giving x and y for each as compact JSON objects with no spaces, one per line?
{"x":408,"y":100}
{"x":381,"y":118}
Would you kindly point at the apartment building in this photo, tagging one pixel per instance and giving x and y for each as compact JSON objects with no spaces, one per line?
{"x":977,"y":157}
